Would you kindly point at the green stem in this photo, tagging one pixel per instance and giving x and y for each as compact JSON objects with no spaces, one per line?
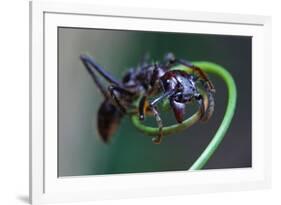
{"x":168,"y":130}
{"x":230,"y":109}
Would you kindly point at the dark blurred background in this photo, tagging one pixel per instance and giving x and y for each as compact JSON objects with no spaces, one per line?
{"x":80,"y":150}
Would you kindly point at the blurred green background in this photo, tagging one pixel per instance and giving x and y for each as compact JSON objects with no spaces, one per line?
{"x":81,"y":151}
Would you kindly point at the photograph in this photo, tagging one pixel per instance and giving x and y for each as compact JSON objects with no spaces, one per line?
{"x":133,"y":101}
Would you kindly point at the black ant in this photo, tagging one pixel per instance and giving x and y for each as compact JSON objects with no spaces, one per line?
{"x":146,"y":81}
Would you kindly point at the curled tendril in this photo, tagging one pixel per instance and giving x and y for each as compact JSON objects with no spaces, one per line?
{"x":218,"y":137}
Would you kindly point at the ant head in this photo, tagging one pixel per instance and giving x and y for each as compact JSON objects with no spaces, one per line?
{"x":182,"y":84}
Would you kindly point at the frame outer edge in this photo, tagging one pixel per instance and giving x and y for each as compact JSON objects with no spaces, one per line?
{"x":36,"y":103}
{"x":152,"y":13}
{"x":268,"y":94}
{"x":30,"y":101}
{"x":36,"y":98}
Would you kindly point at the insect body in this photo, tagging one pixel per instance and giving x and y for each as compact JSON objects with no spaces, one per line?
{"x":149,"y":84}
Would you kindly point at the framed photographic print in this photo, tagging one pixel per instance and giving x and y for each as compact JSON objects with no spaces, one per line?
{"x":130,"y":102}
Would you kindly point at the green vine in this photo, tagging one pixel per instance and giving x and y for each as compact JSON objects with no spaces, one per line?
{"x":218,"y":137}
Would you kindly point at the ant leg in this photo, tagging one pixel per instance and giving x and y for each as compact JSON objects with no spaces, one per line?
{"x":152,"y":106}
{"x":185,"y":62}
{"x":158,"y":138}
{"x":158,"y":99}
{"x":96,"y":80}
{"x":202,"y":105}
{"x":91,"y":66}
{"x":116,"y":98}
{"x":121,"y":90}
{"x":207,"y":105}
{"x":142,"y":107}
{"x":198,"y":71}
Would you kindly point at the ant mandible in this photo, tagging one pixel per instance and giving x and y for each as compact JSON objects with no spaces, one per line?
{"x":146,"y":81}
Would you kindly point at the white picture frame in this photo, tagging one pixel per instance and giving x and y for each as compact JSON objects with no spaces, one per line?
{"x":46,"y":187}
